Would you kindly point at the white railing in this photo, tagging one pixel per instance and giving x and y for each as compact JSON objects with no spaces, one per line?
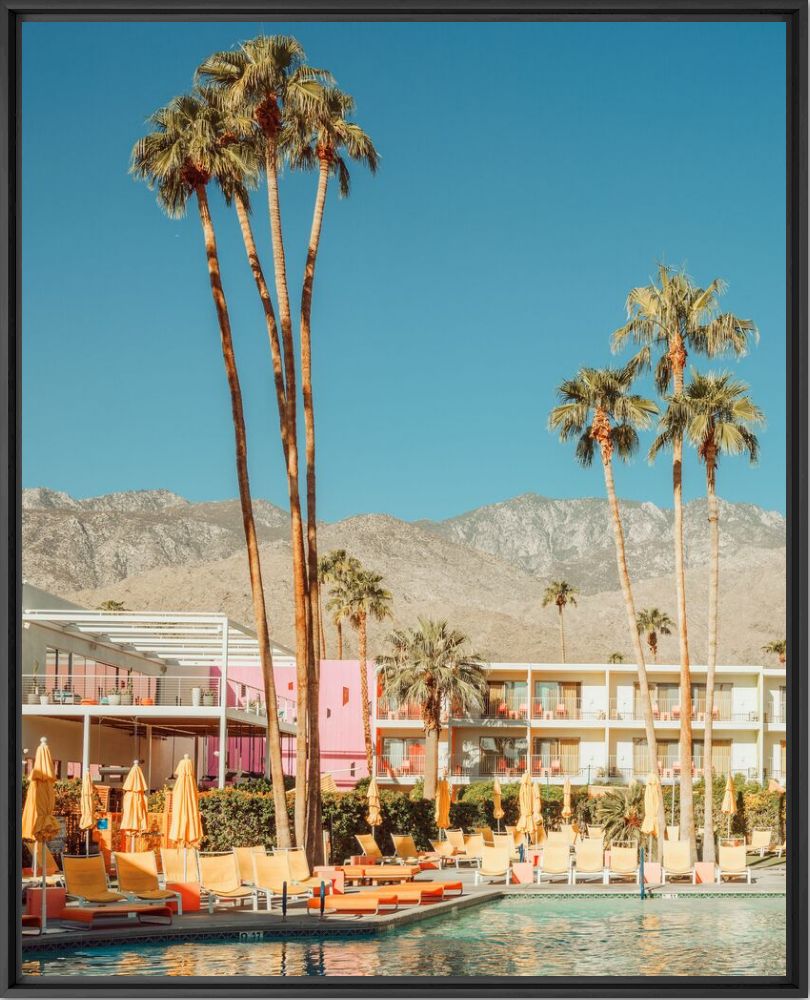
{"x":137,"y":689}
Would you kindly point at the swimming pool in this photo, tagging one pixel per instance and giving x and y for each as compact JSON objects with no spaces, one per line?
{"x":514,"y":937}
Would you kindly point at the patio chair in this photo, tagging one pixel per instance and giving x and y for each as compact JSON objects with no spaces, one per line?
{"x":474,"y":845}
{"x":596,"y":833}
{"x":487,"y":833}
{"x":623,"y":864}
{"x":86,"y":880}
{"x":299,"y":870}
{"x":458,"y":843}
{"x":761,"y":842}
{"x":244,"y":859}
{"x":673,"y":833}
{"x":415,"y":894}
{"x":506,"y":842}
{"x":444,"y":851}
{"x":180,"y":864}
{"x":494,"y":865}
{"x":731,"y":863}
{"x":677,"y":861}
{"x":555,"y":863}
{"x":270,"y":873}
{"x":590,"y":860}
{"x":219,"y":877}
{"x":406,"y":851}
{"x":138,"y":879}
{"x":369,"y":846}
{"x":355,"y":904}
{"x":570,"y":832}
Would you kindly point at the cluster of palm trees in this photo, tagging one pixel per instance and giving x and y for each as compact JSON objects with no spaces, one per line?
{"x":600,"y":410}
{"x":253,"y":110}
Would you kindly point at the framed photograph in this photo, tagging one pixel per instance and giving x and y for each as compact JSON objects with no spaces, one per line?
{"x":406,"y":499}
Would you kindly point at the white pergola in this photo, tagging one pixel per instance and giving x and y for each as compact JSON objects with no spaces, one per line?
{"x":170,"y":643}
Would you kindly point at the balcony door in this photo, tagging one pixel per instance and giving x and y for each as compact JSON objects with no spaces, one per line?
{"x":559,"y":697}
{"x":555,"y":755}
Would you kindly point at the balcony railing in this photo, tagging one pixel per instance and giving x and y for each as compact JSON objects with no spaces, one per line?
{"x":664,"y":711}
{"x":398,"y":713}
{"x":550,"y":711}
{"x":138,"y":689}
{"x":488,"y":765}
{"x":395,"y":766}
{"x":510,"y":707}
{"x":555,"y":765}
{"x":776,"y":714}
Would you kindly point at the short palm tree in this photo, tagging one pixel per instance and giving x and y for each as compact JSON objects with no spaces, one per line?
{"x":673,"y":317}
{"x":616,"y":658}
{"x":333,"y":568}
{"x":778,"y":647}
{"x":598,"y":409}
{"x":621,"y":813}
{"x":715,"y":414}
{"x":561,"y":594}
{"x":183,"y":153}
{"x":432,"y":666}
{"x":651,"y":622}
{"x":365,"y":597}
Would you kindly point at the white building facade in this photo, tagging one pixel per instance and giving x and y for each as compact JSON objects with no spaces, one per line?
{"x":584,"y":721}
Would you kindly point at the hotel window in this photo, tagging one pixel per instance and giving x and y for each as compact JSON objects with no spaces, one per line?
{"x":502,"y":754}
{"x":404,"y":755}
{"x":562,"y":699}
{"x":555,"y":756}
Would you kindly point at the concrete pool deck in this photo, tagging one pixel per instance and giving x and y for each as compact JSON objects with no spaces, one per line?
{"x":245,"y":924}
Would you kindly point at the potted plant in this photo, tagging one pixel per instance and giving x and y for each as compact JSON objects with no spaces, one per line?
{"x":208,"y":698}
{"x":113,"y":697}
{"x":44,"y":699}
{"x":33,"y":696}
{"x":196,"y":696}
{"x":147,"y":700}
{"x":126,"y":690}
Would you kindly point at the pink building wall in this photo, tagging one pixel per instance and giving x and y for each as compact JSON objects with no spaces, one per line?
{"x":340,"y":719}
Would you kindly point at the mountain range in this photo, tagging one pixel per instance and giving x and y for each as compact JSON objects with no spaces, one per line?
{"x":484,"y":570}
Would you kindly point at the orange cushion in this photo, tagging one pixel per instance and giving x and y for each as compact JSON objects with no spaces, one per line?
{"x":354,"y":903}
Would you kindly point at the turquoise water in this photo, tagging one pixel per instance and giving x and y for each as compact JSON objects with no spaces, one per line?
{"x":526,"y":937}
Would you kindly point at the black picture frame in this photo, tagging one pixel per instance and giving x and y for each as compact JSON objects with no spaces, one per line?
{"x":794,"y":13}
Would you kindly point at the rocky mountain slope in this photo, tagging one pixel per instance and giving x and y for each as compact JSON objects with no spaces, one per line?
{"x":485,"y":570}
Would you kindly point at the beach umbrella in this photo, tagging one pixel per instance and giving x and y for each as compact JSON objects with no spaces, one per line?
{"x":38,"y":821}
{"x":538,"y":830}
{"x":374,"y":817}
{"x":525,"y":803}
{"x":186,"y":826}
{"x":567,"y":811}
{"x":497,"y":808}
{"x":135,"y":811}
{"x":729,"y":805}
{"x":652,"y":801}
{"x":87,"y":819}
{"x":442,"y":808}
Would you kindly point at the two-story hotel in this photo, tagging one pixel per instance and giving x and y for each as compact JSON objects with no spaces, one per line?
{"x":584,"y":721}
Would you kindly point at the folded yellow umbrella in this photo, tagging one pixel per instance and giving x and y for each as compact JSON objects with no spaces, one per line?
{"x":38,"y":821}
{"x":538,"y":829}
{"x":135,"y":812}
{"x":567,"y":811}
{"x":87,"y":820}
{"x":525,"y":803}
{"x":497,"y":808}
{"x":185,"y":828}
{"x":374,"y":817}
{"x":729,"y":805}
{"x":652,"y":803}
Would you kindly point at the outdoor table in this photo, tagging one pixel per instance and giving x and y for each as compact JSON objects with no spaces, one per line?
{"x":652,"y":872}
{"x":54,"y":900}
{"x":189,"y":893}
{"x":522,"y":872}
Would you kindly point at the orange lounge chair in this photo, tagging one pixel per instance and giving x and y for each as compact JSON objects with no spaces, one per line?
{"x":244,"y":859}
{"x":86,"y":879}
{"x":381,"y":873}
{"x":31,"y":924}
{"x":411,"y":895}
{"x":143,"y":914}
{"x":138,"y":879}
{"x":406,"y":850}
{"x":355,"y":904}
{"x":219,"y":875}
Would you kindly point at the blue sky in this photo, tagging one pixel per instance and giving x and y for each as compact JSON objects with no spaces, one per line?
{"x":531,"y":175}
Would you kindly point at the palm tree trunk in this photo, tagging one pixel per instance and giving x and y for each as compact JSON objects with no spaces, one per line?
{"x":339,"y":627}
{"x":323,"y":635}
{"x":248,"y":523}
{"x":431,"y":762}
{"x":711,"y":659}
{"x":314,"y":831}
{"x":562,"y":634}
{"x":635,"y":638}
{"x":361,"y":654}
{"x":687,"y":816}
{"x":300,"y":589}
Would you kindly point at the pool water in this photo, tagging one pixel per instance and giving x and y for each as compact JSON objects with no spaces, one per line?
{"x":511,"y":937}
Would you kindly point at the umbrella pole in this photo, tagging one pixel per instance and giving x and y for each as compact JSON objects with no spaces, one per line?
{"x":87,"y":842}
{"x":185,"y":863}
{"x":44,"y":917}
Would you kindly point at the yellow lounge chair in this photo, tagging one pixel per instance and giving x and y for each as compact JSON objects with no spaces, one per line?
{"x":302,"y":877}
{"x":219,"y":877}
{"x":673,"y":833}
{"x":677,"y":862}
{"x":596,"y":833}
{"x":487,"y":833}
{"x":506,"y":842}
{"x":623,"y":864}
{"x":244,"y":859}
{"x":457,"y":841}
{"x":494,"y":865}
{"x":474,"y":845}
{"x":180,"y":864}
{"x":555,"y":863}
{"x":53,"y":876}
{"x":138,"y":878}
{"x":369,"y":846}
{"x":444,"y":850}
{"x":590,"y":859}
{"x":731,"y":863}
{"x":405,"y":850}
{"x":270,"y":872}
{"x":86,"y":880}
{"x":761,"y":842}
{"x":570,"y":832}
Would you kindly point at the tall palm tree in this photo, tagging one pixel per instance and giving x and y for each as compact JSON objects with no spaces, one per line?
{"x":715,"y":414}
{"x":778,"y":647}
{"x":560,"y":593}
{"x":651,"y":622}
{"x":598,"y":409}
{"x":179,"y":158}
{"x":366,"y":598}
{"x":334,"y":567}
{"x":260,"y":79}
{"x":674,"y":317}
{"x":432,"y":666}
